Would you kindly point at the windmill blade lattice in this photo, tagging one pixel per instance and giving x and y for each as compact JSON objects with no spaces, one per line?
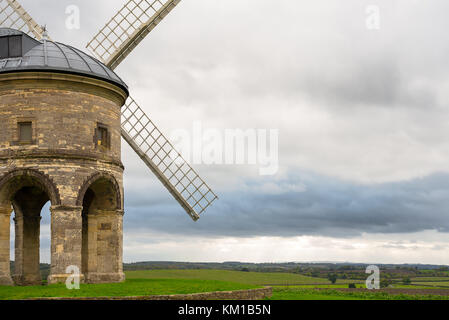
{"x":12,"y":15}
{"x":167,"y":164}
{"x":111,"y":45}
{"x":128,"y":28}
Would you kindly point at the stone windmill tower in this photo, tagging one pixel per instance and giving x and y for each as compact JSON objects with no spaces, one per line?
{"x":62,"y":114}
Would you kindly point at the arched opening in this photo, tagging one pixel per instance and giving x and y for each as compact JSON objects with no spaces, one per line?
{"x":101,"y":249}
{"x":24,"y":194}
{"x":27,"y":204}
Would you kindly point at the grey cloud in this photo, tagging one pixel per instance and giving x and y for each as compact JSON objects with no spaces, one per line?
{"x":327,"y":206}
{"x":204,"y":66}
{"x":320,"y":49}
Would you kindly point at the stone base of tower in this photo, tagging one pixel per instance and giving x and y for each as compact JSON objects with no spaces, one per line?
{"x":61,"y":278}
{"x":6,"y":281}
{"x":104,"y":277}
{"x":66,"y":164}
{"x":27,"y":280}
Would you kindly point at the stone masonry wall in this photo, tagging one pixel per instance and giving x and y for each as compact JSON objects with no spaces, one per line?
{"x":63,"y":156}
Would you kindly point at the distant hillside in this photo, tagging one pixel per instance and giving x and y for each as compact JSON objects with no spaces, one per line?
{"x":269,"y":267}
{"x":312,"y":269}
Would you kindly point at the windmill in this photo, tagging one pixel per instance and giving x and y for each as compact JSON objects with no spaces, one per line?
{"x":111,"y":45}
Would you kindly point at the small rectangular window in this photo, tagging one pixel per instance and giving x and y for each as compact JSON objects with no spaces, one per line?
{"x":102,"y":136}
{"x":15,"y":46}
{"x":25,"y":132}
{"x":4,"y":48}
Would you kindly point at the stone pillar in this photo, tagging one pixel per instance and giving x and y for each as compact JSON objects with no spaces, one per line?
{"x":5,"y":270}
{"x":66,"y":241}
{"x":105,"y":246}
{"x":119,"y":226}
{"x":90,"y":247}
{"x":26,"y":268}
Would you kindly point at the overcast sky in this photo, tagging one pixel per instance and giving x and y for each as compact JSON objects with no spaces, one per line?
{"x":362,"y":114}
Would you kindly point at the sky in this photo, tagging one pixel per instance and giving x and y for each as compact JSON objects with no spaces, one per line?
{"x":357,"y":92}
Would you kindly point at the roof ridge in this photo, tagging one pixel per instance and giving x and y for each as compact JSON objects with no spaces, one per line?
{"x":62,"y":51}
{"x":77,"y":53}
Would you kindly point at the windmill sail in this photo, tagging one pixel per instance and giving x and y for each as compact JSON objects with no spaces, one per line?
{"x":115,"y":41}
{"x":167,"y":164}
{"x":12,"y":15}
{"x":112,"y":45}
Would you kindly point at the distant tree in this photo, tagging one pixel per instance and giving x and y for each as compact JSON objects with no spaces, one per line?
{"x":332,"y":277}
{"x":351,"y":286}
{"x":385,"y":283}
{"x":244,"y":269}
{"x":406,"y":281}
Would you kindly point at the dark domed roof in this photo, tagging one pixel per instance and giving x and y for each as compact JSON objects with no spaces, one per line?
{"x":9,"y":32}
{"x":52,"y":57}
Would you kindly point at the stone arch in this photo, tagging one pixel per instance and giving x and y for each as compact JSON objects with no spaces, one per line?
{"x":14,"y":180}
{"x":101,"y":250}
{"x":27,"y":191}
{"x":97,"y":177}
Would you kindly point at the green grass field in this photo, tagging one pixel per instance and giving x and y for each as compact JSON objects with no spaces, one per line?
{"x":131,"y":287}
{"x":421,"y":286}
{"x":432,"y":283}
{"x":254,"y":278}
{"x":296,"y":293}
{"x":429,"y":279}
{"x":286,"y":286}
{"x":292,"y":293}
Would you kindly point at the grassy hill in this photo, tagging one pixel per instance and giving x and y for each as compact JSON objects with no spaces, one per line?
{"x":286,"y":286}
{"x":253,"y":278}
{"x":131,"y":287}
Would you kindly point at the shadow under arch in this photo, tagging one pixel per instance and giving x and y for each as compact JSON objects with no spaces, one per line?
{"x":101,"y":177}
{"x":27,"y":191}
{"x":102,"y":219}
{"x":16,"y":179}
